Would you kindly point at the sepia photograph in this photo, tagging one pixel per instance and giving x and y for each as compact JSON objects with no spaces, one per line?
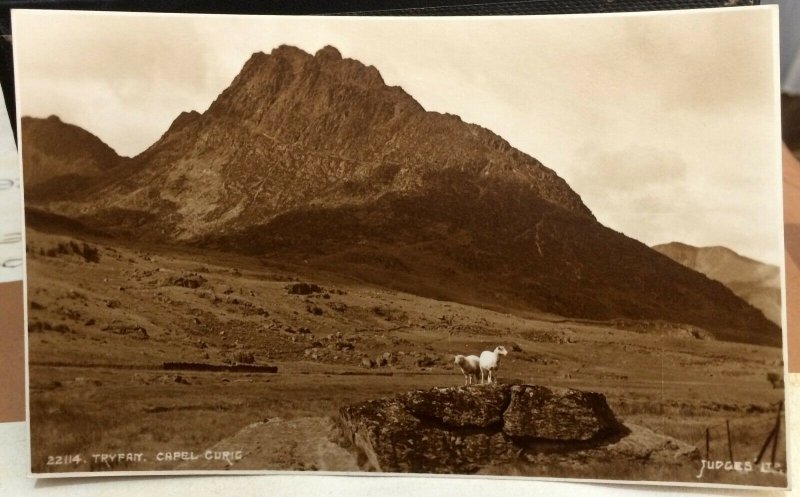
{"x":533,"y":246}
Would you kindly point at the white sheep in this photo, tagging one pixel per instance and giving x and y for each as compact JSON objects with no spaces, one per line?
{"x":470,"y":367}
{"x":490,"y":362}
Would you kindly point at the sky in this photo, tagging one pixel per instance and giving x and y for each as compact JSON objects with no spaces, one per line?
{"x":666,"y":124}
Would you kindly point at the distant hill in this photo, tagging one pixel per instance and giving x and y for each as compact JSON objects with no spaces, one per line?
{"x":756,"y":282}
{"x":314,"y":160}
{"x":61,"y":159}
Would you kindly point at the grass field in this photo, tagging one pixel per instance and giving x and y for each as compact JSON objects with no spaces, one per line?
{"x":103,"y":319}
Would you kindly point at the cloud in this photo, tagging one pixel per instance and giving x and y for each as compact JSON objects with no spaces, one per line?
{"x":629,"y":169}
{"x":124,"y":82}
{"x":657,"y":196}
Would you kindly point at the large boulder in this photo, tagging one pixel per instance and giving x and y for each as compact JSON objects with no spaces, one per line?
{"x":459,"y":407}
{"x":557,"y":414}
{"x":642,"y":444}
{"x":303,"y":289}
{"x":469,"y":429}
{"x":394,"y":440}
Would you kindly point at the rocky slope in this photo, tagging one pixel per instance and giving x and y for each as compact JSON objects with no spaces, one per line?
{"x":755,"y":282}
{"x":313,"y":159}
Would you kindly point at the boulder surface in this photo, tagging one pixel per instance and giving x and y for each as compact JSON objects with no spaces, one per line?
{"x":558,"y":414}
{"x":466,"y":429}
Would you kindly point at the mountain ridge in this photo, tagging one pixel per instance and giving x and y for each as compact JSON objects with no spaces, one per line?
{"x":312,"y":158}
{"x":754,"y":281}
{"x":62,"y":158}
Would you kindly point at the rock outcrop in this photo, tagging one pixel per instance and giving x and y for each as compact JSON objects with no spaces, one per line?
{"x":468,"y":429}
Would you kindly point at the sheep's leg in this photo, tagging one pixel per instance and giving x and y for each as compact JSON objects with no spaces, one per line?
{"x":481,"y":376}
{"x":490,"y":376}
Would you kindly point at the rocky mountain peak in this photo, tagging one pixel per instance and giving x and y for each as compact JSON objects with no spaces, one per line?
{"x":183,"y":119}
{"x":314,"y":158}
{"x":375,"y":139}
{"x":328,"y":53}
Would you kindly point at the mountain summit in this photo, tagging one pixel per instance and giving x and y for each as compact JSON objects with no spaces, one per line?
{"x":314,"y":160}
{"x":294,"y":129}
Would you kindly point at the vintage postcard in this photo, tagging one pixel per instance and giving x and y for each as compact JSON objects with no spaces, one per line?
{"x":513,"y":246}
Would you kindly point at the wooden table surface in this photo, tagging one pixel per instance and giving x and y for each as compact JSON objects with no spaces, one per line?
{"x":791,"y":214}
{"x":12,"y":353}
